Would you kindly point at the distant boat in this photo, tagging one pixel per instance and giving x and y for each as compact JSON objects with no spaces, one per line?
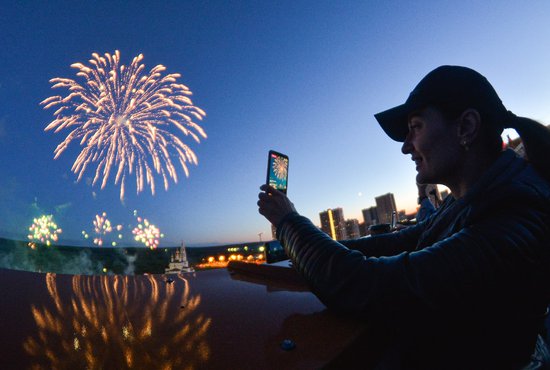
{"x":178,"y":262}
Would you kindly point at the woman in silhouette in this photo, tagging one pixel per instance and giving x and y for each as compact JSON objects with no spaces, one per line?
{"x":469,"y":288}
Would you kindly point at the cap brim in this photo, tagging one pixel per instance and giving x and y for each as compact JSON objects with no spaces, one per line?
{"x":394,"y":122}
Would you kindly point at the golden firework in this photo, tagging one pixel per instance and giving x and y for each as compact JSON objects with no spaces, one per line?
{"x":118,"y":322}
{"x":126,"y":120}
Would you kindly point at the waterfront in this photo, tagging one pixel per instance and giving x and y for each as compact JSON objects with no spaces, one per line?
{"x":15,"y":254}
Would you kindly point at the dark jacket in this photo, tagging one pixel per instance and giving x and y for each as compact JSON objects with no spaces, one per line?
{"x":426,"y":210}
{"x":466,"y":289}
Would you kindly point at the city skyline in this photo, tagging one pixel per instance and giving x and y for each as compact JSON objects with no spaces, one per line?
{"x":337,"y":226}
{"x":302,"y":78}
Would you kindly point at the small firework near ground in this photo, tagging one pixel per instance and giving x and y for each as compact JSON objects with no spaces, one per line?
{"x":124,"y":119}
{"x":147,"y":233}
{"x":43,"y":230}
{"x":102,"y":228}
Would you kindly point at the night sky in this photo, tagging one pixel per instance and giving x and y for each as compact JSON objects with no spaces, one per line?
{"x":301,"y":77}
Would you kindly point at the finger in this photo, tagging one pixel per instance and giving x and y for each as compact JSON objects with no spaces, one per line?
{"x":263,"y":212}
{"x":264,"y":196}
{"x":268,"y":189}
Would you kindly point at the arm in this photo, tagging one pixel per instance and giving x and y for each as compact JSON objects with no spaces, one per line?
{"x":461,"y":267}
{"x":386,"y":244}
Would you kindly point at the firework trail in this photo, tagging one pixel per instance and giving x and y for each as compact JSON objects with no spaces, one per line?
{"x":280,"y":166}
{"x":122,"y":116}
{"x":43,"y":229}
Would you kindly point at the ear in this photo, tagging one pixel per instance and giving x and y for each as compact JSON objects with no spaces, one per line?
{"x":469,"y":124}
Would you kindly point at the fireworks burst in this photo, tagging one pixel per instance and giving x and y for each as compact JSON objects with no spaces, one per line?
{"x":147,"y":233}
{"x":280,"y":166}
{"x":43,"y":229}
{"x":102,"y":227}
{"x":122,"y":116}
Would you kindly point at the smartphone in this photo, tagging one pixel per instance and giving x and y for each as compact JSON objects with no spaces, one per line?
{"x":277,"y":170}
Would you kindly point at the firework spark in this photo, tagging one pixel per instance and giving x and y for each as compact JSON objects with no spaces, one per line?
{"x":102,"y":227}
{"x":122,"y":117}
{"x":147,"y":233}
{"x":280,"y":166}
{"x":43,"y":229}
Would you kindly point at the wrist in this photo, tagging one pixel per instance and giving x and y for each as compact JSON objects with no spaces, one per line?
{"x":283,"y":220}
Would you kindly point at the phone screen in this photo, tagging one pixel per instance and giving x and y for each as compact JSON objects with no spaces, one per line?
{"x":277,"y":170}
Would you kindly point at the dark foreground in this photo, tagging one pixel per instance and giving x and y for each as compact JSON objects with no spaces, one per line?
{"x":215,"y":319}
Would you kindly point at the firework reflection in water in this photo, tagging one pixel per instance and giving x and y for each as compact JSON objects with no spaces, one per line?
{"x":120,"y":322}
{"x":122,"y":116}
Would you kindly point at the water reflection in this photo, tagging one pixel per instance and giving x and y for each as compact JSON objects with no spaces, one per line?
{"x":118,"y":322}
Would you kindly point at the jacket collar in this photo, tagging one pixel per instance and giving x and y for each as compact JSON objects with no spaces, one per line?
{"x":507,"y":166}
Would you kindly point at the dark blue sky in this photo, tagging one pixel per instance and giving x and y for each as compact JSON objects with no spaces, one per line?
{"x":300,"y":77}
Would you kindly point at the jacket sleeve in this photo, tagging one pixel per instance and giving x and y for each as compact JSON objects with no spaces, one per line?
{"x":386,"y":244}
{"x":471,"y":261}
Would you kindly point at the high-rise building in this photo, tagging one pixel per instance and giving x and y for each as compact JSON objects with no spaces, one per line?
{"x":370,"y":216}
{"x":364,"y":229}
{"x":385,"y":205}
{"x":402,"y":215}
{"x":333,"y":223}
{"x":352,"y":229}
{"x":273,"y":232}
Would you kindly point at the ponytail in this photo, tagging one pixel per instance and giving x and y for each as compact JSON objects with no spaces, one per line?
{"x":536,"y":141}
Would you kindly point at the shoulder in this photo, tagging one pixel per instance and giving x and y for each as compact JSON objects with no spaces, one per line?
{"x":526,"y":184}
{"x":523,"y":191}
{"x":529,"y":181}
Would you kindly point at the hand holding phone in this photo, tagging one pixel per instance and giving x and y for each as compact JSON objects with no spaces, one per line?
{"x":277,"y":170}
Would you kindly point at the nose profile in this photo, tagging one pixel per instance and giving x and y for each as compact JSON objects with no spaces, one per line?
{"x":406,"y":148}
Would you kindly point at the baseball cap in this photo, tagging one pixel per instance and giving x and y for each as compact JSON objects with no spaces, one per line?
{"x":455,"y":85}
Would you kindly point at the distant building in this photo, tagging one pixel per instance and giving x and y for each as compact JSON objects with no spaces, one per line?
{"x":363,"y":229}
{"x":333,"y":223}
{"x":327,"y":223}
{"x":273,"y":232}
{"x":178,"y":262}
{"x":385,"y":205}
{"x":352,"y":229}
{"x":370,"y":216}
{"x":402,"y":215}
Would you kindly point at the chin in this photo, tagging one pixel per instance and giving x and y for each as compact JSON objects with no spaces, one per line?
{"x":424,"y":179}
